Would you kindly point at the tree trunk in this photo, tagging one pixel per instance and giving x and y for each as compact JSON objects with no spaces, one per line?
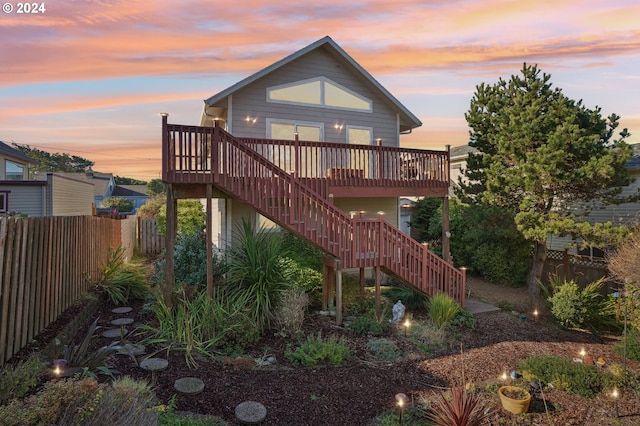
{"x":535,"y":274}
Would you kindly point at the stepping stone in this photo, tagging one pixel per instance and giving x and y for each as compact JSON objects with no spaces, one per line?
{"x":154,"y":364}
{"x":250,"y":413}
{"x":122,"y":310}
{"x":189,"y":385}
{"x":112,"y":333}
{"x":131,"y":349}
{"x":122,"y":321}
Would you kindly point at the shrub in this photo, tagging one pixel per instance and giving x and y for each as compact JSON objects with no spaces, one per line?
{"x":633,"y":344}
{"x":255,"y":275}
{"x":384,"y":349}
{"x":18,"y":379}
{"x":121,"y":204}
{"x":298,"y":275}
{"x":414,"y":300}
{"x":369,"y":326}
{"x":290,"y":312}
{"x":578,"y":378}
{"x":443,"y":309}
{"x":304,"y":254}
{"x":464,"y":319}
{"x":315,"y":350}
{"x":120,"y":281}
{"x":581,"y":308}
{"x":191,"y":218}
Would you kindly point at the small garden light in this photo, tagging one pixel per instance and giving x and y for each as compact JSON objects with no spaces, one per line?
{"x":583,"y":353}
{"x":535,"y":315}
{"x":407,"y":324}
{"x":401,"y":401}
{"x":615,"y":394}
{"x":504,"y":376}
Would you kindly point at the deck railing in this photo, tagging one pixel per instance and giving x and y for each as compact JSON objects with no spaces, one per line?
{"x":211,"y":155}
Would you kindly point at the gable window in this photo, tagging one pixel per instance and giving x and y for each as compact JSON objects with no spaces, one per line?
{"x":13,"y":171}
{"x":4,"y":201}
{"x":320,"y":92}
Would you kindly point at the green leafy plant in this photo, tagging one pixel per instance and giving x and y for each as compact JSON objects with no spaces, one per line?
{"x":463,"y":408}
{"x":255,"y":275}
{"x":384,"y":349}
{"x":121,"y":204}
{"x":632,"y":341}
{"x":120,"y":281}
{"x":443,"y":309}
{"x":464,"y":319}
{"x":368,"y":326}
{"x":414,"y":300}
{"x":575,"y":377}
{"x":581,"y":308}
{"x":82,"y":355}
{"x":315,"y":350}
{"x":18,"y":379}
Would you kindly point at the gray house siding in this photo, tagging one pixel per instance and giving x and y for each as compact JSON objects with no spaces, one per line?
{"x":252,"y":101}
{"x":69,"y":197}
{"x":26,"y":198}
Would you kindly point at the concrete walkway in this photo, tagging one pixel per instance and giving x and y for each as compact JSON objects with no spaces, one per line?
{"x":475,"y":306}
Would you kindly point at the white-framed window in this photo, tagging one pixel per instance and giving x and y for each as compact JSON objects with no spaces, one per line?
{"x":320,"y":92}
{"x":13,"y":171}
{"x":4,"y":201}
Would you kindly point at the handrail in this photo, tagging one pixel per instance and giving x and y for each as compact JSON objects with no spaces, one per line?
{"x":211,"y":155}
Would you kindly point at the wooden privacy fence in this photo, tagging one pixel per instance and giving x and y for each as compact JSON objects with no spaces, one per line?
{"x":582,"y":269}
{"x":42,"y":262}
{"x":150,"y":242}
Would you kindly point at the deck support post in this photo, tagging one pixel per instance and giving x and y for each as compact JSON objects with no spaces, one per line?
{"x":170,"y":244}
{"x":378,"y":310}
{"x":446,"y":234}
{"x":209,"y":192}
{"x":361,"y":281}
{"x":339,"y":293}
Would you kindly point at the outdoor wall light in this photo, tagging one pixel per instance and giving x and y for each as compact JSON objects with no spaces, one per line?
{"x":251,"y":120}
{"x":338,"y":126}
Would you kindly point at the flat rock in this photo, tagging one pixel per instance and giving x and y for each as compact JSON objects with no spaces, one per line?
{"x":154,"y":364}
{"x":131,"y":349}
{"x":122,"y":310}
{"x":122,"y":321}
{"x":189,"y":385}
{"x":250,"y":412}
{"x":113,"y":333}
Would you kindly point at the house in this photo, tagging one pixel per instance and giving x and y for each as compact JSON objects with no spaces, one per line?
{"x":103,"y":183}
{"x":54,"y":195}
{"x":137,"y":194}
{"x":312,"y":143}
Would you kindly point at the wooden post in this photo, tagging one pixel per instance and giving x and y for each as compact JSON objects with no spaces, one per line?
{"x":325,"y":287}
{"x":170,"y":243}
{"x":446,"y":234}
{"x":378,"y":311}
{"x":565,"y":264}
{"x":339,"y":292}
{"x":362,"y":281}
{"x":209,"y":191}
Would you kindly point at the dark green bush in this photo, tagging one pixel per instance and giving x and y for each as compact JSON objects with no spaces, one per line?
{"x":121,"y":204}
{"x":414,"y":300}
{"x":575,"y":377}
{"x":316,"y":350}
{"x":633,"y":344}
{"x":18,"y":379}
{"x":369,"y":326}
{"x":384,"y":349}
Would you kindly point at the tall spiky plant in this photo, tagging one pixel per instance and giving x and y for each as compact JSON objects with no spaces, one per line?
{"x":255,"y":272}
{"x":464,"y":409}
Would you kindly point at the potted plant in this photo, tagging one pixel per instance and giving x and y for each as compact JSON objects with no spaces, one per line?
{"x":514,"y":399}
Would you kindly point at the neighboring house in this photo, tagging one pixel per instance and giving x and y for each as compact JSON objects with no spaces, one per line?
{"x":312,"y":144}
{"x":103,"y":183}
{"x":56,"y":195}
{"x":458,"y":163}
{"x":137,"y":194}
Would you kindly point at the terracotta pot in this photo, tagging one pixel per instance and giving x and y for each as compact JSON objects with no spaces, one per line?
{"x":515,"y":406}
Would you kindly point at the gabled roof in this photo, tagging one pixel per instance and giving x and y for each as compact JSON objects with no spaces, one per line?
{"x":409,"y":118}
{"x":14,"y":153}
{"x":461,"y":151}
{"x":130,"y":191}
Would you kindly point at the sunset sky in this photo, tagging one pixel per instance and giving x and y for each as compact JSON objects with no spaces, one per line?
{"x":90,"y":77}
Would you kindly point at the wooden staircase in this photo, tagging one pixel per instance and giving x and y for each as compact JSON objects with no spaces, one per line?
{"x":199,"y":155}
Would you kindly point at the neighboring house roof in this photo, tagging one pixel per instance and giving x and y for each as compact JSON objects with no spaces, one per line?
{"x":408,"y":120}
{"x":130,"y":191}
{"x":634,"y":163}
{"x":14,"y":153}
{"x":99,"y":180}
{"x":461,"y":151}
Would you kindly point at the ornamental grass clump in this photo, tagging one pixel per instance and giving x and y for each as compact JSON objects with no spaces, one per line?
{"x":443,"y":309}
{"x":316,"y":349}
{"x":575,"y":377}
{"x":463,"y":408}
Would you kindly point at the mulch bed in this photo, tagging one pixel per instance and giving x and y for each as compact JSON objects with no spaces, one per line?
{"x":366,"y":387}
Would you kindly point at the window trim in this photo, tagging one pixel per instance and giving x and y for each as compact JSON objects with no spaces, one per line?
{"x":323,"y":80}
{"x":5,"y":195}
